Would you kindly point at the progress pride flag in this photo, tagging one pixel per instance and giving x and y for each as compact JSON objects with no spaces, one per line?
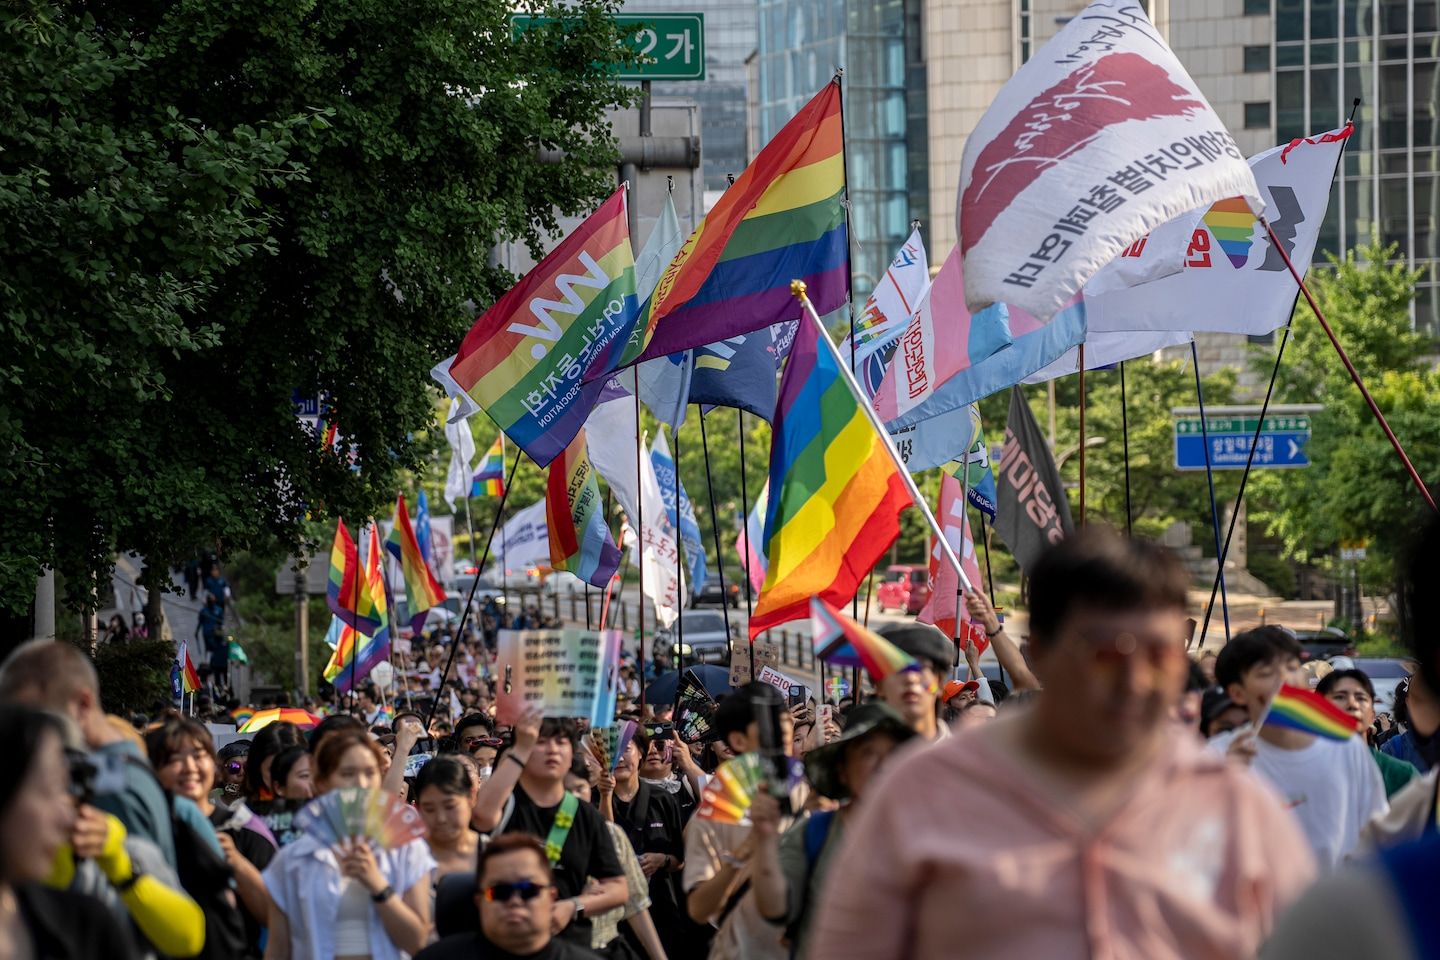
{"x":1098,"y":139}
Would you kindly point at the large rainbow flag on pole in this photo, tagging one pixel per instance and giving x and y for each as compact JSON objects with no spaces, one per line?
{"x":580,"y":540}
{"x":835,"y":491}
{"x":782,"y":218}
{"x":422,"y":591}
{"x":346,"y":594}
{"x":355,"y":654}
{"x":489,"y":477}
{"x":524,"y":358}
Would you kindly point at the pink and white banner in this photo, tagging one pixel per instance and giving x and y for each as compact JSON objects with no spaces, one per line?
{"x":943,"y":607}
{"x":1101,"y":137}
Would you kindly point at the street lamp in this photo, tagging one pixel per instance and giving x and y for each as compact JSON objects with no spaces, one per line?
{"x":1071,"y":451}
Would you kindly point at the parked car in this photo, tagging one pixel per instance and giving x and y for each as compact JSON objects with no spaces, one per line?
{"x":704,"y":633}
{"x":1324,"y":644}
{"x":561,"y":583}
{"x":905,"y":588}
{"x":1384,"y":672}
{"x":711,"y":595}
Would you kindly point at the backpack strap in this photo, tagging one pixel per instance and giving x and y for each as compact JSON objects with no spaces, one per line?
{"x":560,"y":828}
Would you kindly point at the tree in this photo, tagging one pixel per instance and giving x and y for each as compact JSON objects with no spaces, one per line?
{"x":1355,"y":487}
{"x":219,"y":207}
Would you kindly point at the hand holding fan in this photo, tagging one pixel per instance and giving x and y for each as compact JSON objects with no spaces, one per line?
{"x":728,"y":795}
{"x":356,"y":812}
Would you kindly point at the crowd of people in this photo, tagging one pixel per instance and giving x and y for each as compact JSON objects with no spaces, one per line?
{"x":1118,"y":798}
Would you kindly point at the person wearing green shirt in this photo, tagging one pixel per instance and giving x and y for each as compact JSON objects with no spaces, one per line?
{"x":1352,"y":691}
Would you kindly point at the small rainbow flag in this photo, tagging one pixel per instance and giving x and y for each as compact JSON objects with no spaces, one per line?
{"x":840,"y":640}
{"x":524,"y":359}
{"x":580,"y":540}
{"x":189,"y":677}
{"x":421,"y":588}
{"x":1310,"y":713}
{"x":356,"y":654}
{"x":835,"y":492}
{"x":489,"y":478}
{"x":782,"y":219}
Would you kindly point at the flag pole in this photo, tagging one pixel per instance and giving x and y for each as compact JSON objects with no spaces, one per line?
{"x":715,"y":532}
{"x":679,"y":568}
{"x":839,"y":81}
{"x":1125,"y":439}
{"x":745,"y":520}
{"x":355,"y":608}
{"x":797,"y":289}
{"x":1082,"y":433}
{"x":469,"y":600}
{"x":1350,"y":367}
{"x":1210,"y":480}
{"x":504,"y":543}
{"x":639,"y":545}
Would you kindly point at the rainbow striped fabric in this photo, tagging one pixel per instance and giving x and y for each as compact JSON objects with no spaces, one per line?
{"x":835,"y":492}
{"x":355,"y":654}
{"x":489,"y":478}
{"x":189,"y":677}
{"x":1308,"y":712}
{"x":524,"y":358}
{"x":781,"y":220}
{"x":422,"y":590}
{"x":580,"y":541}
{"x":345,"y":594}
{"x":842,"y":641}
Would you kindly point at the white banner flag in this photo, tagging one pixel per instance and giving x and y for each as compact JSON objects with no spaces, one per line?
{"x":1101,"y":137}
{"x":887,"y":313}
{"x":1234,"y":280}
{"x":659,"y":552}
{"x":524,"y":540}
{"x":462,"y":455}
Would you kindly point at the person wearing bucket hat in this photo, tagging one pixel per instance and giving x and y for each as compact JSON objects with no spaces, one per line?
{"x":840,"y":770}
{"x":915,"y":694}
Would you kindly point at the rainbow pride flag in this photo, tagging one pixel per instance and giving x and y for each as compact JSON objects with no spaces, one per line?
{"x":574,"y":513}
{"x":189,"y":676}
{"x":524,"y":359}
{"x":489,"y":477}
{"x":356,"y":654}
{"x":1308,"y":712}
{"x":781,"y":220}
{"x":422,"y":590}
{"x":835,"y":492}
{"x":842,"y":641}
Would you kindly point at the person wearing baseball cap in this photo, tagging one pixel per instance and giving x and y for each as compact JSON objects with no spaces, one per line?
{"x":954,"y":695}
{"x":840,"y":770}
{"x":915,"y":694}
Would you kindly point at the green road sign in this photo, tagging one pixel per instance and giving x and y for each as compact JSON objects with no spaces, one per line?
{"x":1278,"y":423}
{"x":671,"y":45}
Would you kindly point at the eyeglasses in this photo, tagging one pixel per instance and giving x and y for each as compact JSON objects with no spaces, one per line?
{"x":503,"y":892}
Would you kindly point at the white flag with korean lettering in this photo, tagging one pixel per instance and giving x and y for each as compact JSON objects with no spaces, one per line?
{"x":1101,"y":137}
{"x":659,"y":553}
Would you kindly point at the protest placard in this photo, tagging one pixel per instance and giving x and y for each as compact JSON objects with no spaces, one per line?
{"x":566,"y":673}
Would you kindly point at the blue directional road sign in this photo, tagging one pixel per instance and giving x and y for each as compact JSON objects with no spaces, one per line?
{"x":1281,"y":443}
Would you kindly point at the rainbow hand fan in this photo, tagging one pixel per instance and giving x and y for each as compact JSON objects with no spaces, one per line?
{"x":356,"y":812}
{"x":728,"y":795}
{"x":607,"y":745}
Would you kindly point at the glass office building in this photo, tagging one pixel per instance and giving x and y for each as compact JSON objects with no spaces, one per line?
{"x":879,"y":45}
{"x":1324,"y":54}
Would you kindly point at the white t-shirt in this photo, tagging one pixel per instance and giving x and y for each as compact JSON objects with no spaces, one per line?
{"x":1333,"y":788}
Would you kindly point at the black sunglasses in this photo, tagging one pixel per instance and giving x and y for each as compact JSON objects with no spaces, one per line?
{"x":502,"y":892}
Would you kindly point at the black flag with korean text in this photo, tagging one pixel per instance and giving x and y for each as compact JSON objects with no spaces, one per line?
{"x":1031,"y":512}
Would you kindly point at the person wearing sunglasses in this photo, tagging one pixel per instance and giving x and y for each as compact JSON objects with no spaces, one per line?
{"x":1092,"y":823}
{"x":231,"y":775}
{"x":515,"y":895}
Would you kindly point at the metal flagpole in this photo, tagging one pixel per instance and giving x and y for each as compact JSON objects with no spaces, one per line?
{"x":679,"y":570}
{"x":797,"y":288}
{"x":1125,"y":439}
{"x":1210,"y":479}
{"x":750,"y":548}
{"x":715,"y":531}
{"x":1082,"y":433}
{"x":639,"y":544}
{"x":504,"y":544}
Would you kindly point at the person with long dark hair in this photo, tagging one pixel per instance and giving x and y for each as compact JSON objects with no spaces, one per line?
{"x":37,"y":816}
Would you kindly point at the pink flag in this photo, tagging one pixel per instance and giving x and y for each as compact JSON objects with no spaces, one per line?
{"x":944,"y":584}
{"x":943,"y":339}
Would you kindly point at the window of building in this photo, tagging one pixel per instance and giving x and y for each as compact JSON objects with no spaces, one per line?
{"x":1257,"y":8}
{"x":1257,"y":115}
{"x":1257,"y":59}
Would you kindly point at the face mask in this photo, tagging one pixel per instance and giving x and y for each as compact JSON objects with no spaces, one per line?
{"x":485,"y":773}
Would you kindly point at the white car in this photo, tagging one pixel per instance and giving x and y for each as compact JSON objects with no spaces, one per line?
{"x":561,"y":583}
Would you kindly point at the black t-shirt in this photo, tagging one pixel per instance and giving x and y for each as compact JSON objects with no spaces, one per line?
{"x":473,"y":946}
{"x":259,"y":851}
{"x":64,"y":925}
{"x":651,"y":819}
{"x":587,"y":851}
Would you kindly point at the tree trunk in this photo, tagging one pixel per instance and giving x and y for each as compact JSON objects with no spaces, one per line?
{"x":155,"y":583}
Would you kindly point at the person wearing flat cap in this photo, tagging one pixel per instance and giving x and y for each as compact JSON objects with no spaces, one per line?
{"x":840,"y":770}
{"x":915,"y":694}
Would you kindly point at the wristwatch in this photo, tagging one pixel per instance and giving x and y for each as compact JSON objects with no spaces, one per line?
{"x":579,"y":909}
{"x":383,"y":895}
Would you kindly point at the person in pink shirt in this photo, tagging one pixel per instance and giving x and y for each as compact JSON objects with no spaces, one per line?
{"x":1084,"y":825}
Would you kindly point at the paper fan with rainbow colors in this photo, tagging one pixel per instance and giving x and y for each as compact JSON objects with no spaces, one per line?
{"x":357,"y":812}
{"x":728,"y":795}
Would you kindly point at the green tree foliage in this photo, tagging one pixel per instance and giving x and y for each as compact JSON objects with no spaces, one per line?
{"x":1356,"y":488}
{"x":213,"y":206}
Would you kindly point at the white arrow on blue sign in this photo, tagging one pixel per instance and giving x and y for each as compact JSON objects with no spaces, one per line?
{"x":1230,"y":451}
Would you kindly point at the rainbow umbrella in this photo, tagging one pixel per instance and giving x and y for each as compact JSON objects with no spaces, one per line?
{"x":303,"y":719}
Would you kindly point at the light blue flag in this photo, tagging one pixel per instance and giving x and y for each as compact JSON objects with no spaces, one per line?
{"x":686,"y":523}
{"x":664,"y":381}
{"x":422,"y":528}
